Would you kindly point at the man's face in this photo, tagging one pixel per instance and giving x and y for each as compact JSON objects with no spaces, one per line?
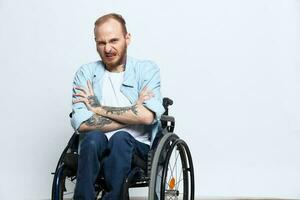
{"x":111,"y":43}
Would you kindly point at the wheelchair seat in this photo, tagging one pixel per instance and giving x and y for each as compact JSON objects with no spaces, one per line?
{"x":157,"y":172}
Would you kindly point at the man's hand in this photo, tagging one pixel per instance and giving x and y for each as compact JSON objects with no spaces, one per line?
{"x":87,"y":97}
{"x":145,"y":95}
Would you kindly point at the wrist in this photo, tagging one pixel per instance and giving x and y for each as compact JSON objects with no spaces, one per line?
{"x":138,"y":102}
{"x":99,"y":111}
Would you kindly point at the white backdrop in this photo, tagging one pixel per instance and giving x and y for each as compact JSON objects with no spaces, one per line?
{"x":231,"y":67}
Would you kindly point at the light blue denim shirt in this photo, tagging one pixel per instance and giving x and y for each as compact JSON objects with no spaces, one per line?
{"x":137,"y":75}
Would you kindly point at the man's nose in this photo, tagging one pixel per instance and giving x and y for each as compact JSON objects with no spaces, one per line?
{"x":107,"y":48}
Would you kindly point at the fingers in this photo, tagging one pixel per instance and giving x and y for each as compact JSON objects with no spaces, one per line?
{"x":146,"y":92}
{"x":76,"y":101}
{"x":79,"y":95}
{"x":81,"y":89}
{"x":90,"y":87}
{"x":148,"y":96}
{"x":150,"y":93}
{"x":145,"y":95}
{"x":89,"y":91}
{"x":82,"y":100}
{"x":144,"y":89}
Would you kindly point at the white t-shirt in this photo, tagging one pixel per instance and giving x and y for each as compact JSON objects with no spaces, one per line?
{"x":112,"y":96}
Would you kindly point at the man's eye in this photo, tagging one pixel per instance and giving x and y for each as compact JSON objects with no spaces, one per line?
{"x":101,"y":43}
{"x":114,"y":41}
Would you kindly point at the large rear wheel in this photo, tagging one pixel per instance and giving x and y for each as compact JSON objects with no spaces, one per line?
{"x":172,"y":173}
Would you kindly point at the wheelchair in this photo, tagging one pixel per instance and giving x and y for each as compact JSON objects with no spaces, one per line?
{"x":168,"y":173}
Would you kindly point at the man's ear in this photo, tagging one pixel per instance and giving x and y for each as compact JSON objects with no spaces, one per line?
{"x":128,"y":38}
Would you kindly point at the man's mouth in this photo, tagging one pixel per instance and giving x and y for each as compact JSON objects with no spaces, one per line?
{"x":111,"y":55}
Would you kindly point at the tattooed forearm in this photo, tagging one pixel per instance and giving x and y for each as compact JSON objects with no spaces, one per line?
{"x":94,"y":102}
{"x":120,"y":110}
{"x":98,"y":121}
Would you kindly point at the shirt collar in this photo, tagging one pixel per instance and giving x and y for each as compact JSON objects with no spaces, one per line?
{"x":129,"y":78}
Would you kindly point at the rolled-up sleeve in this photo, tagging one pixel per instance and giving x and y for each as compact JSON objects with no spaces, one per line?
{"x":151,"y":80}
{"x":79,"y":111}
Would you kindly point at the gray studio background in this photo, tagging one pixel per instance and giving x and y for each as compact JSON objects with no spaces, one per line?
{"x":231,"y":67}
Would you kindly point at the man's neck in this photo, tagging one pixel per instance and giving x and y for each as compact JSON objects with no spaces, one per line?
{"x":118,"y":68}
{"x":115,"y":69}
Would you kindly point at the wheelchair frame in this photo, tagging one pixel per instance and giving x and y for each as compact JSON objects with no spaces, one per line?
{"x":152,"y":174}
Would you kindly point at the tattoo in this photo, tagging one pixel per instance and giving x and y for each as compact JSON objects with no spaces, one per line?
{"x":120,"y":110}
{"x":98,"y":121}
{"x":93,"y":100}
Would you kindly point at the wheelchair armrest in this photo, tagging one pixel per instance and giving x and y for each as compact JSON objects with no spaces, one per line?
{"x":166,"y":103}
{"x":167,"y":118}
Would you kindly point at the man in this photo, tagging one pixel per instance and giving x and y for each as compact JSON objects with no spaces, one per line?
{"x":116,"y":108}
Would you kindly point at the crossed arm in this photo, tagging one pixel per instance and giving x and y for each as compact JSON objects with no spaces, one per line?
{"x":112,"y":118}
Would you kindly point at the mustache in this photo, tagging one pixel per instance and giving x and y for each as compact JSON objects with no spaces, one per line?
{"x":110,"y":54}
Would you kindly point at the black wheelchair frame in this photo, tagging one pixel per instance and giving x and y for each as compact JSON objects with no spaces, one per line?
{"x":156,"y":173}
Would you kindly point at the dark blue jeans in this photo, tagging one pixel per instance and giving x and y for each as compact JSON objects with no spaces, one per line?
{"x":115,"y":156}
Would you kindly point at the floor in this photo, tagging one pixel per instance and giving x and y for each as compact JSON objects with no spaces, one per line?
{"x":222,"y":198}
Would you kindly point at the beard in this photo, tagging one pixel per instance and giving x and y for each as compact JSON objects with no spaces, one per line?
{"x":116,"y":60}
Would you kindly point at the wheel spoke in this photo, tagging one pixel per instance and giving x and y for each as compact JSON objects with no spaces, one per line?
{"x":177,"y":183}
{"x":179,"y":179}
{"x":175,"y":160}
{"x":172,"y":169}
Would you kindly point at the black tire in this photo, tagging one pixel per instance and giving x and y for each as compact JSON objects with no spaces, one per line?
{"x":64,"y":176}
{"x":63,"y":184}
{"x":172,"y":185}
{"x":158,"y":158}
{"x":172,"y":154}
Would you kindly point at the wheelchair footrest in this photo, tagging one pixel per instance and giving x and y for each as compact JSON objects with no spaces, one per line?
{"x":137,"y":178}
